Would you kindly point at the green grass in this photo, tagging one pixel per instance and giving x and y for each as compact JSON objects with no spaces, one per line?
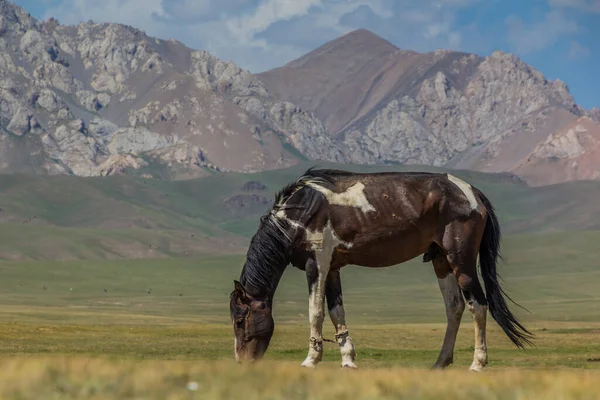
{"x":555,"y":276}
{"x":90,"y":329}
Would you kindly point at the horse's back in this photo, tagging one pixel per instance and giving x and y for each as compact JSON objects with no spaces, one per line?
{"x":387,"y":218}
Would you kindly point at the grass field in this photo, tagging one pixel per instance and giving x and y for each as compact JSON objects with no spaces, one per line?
{"x":147,"y":328}
{"x":118,"y":288}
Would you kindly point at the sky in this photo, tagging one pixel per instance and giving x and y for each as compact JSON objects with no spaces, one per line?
{"x":560,"y":38}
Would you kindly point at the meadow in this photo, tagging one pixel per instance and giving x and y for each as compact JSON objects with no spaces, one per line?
{"x":159,"y":328}
{"x":118,"y":287}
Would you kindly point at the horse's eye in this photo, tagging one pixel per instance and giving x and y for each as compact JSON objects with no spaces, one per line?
{"x":239,"y":323}
{"x":262,"y":306}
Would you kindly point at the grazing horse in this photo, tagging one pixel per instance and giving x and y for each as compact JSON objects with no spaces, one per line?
{"x":329,"y":218}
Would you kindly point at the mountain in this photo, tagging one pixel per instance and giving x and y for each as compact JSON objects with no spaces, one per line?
{"x":101,"y":99}
{"x":96,"y":99}
{"x":444,"y":108}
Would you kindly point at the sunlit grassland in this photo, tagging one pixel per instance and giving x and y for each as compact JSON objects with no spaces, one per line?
{"x":76,"y":378}
{"x":146,"y":328}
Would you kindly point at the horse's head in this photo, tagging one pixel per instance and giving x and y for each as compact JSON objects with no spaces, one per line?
{"x":253,"y":324}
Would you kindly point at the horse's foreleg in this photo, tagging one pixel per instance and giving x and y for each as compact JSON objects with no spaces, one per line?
{"x":333,"y":292}
{"x":316,"y":274}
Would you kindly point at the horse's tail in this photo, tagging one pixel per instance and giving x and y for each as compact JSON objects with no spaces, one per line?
{"x":488,"y":257}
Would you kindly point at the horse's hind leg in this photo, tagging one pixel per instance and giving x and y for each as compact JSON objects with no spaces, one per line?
{"x":459,"y":243}
{"x":478,"y":307}
{"x":455,"y":305}
{"x":333,"y":293}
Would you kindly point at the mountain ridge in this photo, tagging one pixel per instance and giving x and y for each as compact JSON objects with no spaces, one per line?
{"x":95,"y":99}
{"x":103,"y":99}
{"x":460,"y":107}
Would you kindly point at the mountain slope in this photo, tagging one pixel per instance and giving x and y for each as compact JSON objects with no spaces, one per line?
{"x":100,"y":99}
{"x":67,"y":217}
{"x":443,"y":108}
{"x":95,"y":99}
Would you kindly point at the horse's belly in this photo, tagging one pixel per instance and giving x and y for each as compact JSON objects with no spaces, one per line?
{"x":384,"y":250}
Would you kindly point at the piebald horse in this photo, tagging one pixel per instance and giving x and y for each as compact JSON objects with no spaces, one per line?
{"x":329,"y":218}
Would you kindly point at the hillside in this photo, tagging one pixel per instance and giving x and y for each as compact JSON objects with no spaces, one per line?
{"x":95,"y":99}
{"x":445,"y":108}
{"x":69,"y":217}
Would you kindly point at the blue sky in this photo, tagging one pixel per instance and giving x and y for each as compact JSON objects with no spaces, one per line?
{"x":561,"y":38}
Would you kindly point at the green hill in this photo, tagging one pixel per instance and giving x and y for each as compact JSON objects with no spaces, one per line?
{"x":66,"y":217}
{"x":555,"y":276}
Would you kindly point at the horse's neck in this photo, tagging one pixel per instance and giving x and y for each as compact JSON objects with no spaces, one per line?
{"x":266,"y":260}
{"x":265,"y":287}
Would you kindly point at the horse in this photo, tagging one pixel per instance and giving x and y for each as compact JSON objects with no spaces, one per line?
{"x":329,"y":218}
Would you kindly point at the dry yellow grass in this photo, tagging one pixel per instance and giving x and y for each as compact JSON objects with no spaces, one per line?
{"x":87,"y":378}
{"x":109,"y":338}
{"x":166,"y":360}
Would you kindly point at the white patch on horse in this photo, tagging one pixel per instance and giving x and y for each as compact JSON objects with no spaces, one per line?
{"x":466,"y":189}
{"x":354,"y":196}
{"x":279,"y":216}
{"x":480,"y":358}
{"x":237,"y":357}
{"x":316,"y":304}
{"x":315,"y":238}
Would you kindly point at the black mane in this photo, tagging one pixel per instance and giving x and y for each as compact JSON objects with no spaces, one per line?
{"x":325,"y":177}
{"x":269,"y":251}
{"x":266,"y":259}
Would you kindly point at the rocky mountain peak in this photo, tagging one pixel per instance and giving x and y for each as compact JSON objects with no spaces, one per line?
{"x":361,"y":35}
{"x":441,"y":108}
{"x":96,"y":99}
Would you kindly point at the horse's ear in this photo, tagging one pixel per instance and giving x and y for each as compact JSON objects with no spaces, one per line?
{"x":240,"y":293}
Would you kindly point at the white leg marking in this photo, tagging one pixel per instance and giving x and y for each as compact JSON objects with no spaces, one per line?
{"x":479,"y":314}
{"x":237,"y":357}
{"x":455,"y":306}
{"x":338,"y":317}
{"x":316,"y":303}
{"x":353,"y":197}
{"x":466,"y":189}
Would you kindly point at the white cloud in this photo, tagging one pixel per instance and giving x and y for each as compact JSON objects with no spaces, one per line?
{"x":578,"y":51}
{"x":267,"y":13}
{"x":539,"y":35}
{"x":261,"y":34}
{"x":137,"y":13}
{"x":581,"y":5}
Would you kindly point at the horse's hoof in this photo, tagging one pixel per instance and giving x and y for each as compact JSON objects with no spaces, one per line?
{"x":442,"y":365}
{"x":349,"y":365}
{"x":308,"y":364}
{"x":476,"y":368}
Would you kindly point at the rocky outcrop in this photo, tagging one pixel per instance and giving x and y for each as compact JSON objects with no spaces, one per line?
{"x":594,"y":114}
{"x":443,"y":108}
{"x":118,"y":164}
{"x":570,"y":153}
{"x":100,"y":98}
